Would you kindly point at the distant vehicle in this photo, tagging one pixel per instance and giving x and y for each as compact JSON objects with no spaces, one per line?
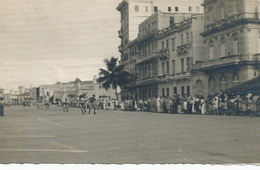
{"x":26,"y":103}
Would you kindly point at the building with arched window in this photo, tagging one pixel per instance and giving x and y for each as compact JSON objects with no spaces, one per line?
{"x":189,"y":52}
{"x":141,"y":21}
{"x":231,"y":37}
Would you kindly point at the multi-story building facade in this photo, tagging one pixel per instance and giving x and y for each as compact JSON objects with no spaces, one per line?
{"x":167,"y":53}
{"x":133,"y":12}
{"x":147,"y":61}
{"x":232,"y":45}
{"x":180,"y":46}
{"x":140,"y":22}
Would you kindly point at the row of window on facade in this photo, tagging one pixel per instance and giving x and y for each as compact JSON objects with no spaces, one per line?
{"x":219,"y":47}
{"x":200,"y":88}
{"x":185,"y":39}
{"x":184,"y":90}
{"x":153,"y":27}
{"x":149,"y":47}
{"x":170,"y":9}
{"x":148,"y":29}
{"x":221,"y":11}
{"x":150,"y":70}
{"x":183,"y":67}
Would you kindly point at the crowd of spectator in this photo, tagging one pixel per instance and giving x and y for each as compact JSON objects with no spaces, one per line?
{"x":218,"y":104}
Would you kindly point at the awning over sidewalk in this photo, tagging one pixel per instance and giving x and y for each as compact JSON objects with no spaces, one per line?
{"x":252,"y":86}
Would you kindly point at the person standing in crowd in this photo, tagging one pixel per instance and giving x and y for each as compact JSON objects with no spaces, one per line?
{"x":112,"y":104}
{"x":66,"y":106}
{"x":178,"y":102}
{"x":197,"y":104}
{"x":238,"y":101}
{"x":92,"y":104}
{"x":189,"y":105}
{"x":203,"y":106}
{"x":168,"y":104}
{"x":116,"y":104}
{"x":215,"y":104}
{"x":184,"y":102}
{"x":105,"y":104}
{"x":158,"y":103}
{"x":141,"y":105}
{"x":148,"y":105}
{"x":122,"y":106}
{"x":135,"y":106}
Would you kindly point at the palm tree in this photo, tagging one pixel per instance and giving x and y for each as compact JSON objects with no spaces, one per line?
{"x":114,"y":75}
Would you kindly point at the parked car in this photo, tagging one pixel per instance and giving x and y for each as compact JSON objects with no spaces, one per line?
{"x":26,"y":103}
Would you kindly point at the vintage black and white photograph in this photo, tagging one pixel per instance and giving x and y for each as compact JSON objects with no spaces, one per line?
{"x":130,"y":82}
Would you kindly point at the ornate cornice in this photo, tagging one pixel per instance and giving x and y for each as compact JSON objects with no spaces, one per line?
{"x":227,"y":24}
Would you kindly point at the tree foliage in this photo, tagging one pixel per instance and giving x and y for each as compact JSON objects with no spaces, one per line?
{"x":114,"y":75}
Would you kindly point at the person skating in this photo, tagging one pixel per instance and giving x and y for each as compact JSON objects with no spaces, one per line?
{"x":83,"y":106}
{"x":92,"y":104}
{"x":66,"y":106}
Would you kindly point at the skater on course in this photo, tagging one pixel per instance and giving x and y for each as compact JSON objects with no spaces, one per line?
{"x":92,"y":104}
{"x":83,"y":106}
{"x":66,"y":106}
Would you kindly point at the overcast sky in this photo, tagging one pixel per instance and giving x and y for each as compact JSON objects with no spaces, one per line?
{"x":46,"y":41}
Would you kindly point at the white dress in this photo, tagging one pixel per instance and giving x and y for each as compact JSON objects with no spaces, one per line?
{"x":158,"y":103}
{"x":122,"y":106}
{"x":203,"y":107}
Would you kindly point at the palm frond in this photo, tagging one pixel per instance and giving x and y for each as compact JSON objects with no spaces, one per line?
{"x":111,"y":64}
{"x":119,"y":68}
{"x":103,"y":72}
{"x":102,"y":79}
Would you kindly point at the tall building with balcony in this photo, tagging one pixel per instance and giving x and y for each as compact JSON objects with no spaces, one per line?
{"x":148,"y":59}
{"x":135,"y":34}
{"x":232,"y":45}
{"x":162,"y":56}
{"x":180,"y":46}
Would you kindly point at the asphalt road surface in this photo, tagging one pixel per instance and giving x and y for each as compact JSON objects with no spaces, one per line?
{"x":29,"y":135}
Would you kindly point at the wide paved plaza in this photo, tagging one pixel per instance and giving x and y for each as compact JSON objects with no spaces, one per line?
{"x":29,"y":135}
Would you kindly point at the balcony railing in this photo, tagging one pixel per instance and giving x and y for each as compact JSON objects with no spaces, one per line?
{"x":183,"y":49}
{"x":233,"y":59}
{"x":222,"y":22}
{"x":182,"y":75}
{"x":147,"y":80}
{"x":147,"y":57}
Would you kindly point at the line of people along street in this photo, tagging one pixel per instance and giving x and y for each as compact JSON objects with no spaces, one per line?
{"x":218,"y":104}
